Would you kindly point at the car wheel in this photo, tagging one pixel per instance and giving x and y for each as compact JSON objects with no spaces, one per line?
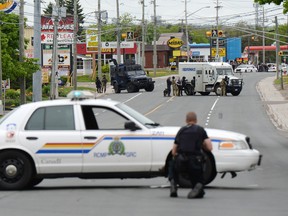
{"x":188,"y":89}
{"x":217,"y":89}
{"x":204,"y":93}
{"x":34,"y":182}
{"x":130,"y":88}
{"x":235,"y":93}
{"x":16,"y":170}
{"x":149,"y":88}
{"x":116,"y":88}
{"x":209,"y":172}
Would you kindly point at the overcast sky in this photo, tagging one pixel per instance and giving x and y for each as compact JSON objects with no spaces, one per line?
{"x":173,"y":11}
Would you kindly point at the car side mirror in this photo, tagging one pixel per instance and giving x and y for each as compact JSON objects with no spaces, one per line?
{"x":131,"y":126}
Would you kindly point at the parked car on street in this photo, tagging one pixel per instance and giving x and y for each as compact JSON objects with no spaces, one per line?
{"x":271,"y":67}
{"x":244,"y":68}
{"x":91,"y":138}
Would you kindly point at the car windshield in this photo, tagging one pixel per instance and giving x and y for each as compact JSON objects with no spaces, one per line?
{"x":224,"y":71}
{"x":7,"y":115}
{"x":136,"y":73}
{"x":138,"y":116}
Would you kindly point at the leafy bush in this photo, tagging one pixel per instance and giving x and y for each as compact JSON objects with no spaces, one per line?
{"x":12,"y":94}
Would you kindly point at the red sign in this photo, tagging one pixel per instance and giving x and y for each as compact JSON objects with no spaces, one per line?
{"x":66,"y":24}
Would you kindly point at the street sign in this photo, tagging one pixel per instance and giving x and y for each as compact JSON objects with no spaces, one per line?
{"x":221,"y":42}
{"x":221,"y":52}
{"x":113,"y":44}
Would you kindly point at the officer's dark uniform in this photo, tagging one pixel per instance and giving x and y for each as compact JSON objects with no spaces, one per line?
{"x":189,"y":140}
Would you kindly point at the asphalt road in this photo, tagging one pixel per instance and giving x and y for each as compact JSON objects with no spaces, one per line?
{"x":259,"y":192}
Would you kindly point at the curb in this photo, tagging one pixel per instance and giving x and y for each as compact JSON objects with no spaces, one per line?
{"x":276,"y":109}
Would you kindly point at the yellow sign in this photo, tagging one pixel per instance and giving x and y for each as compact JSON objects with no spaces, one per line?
{"x":175,"y":43}
{"x":103,"y":50}
{"x":176,"y":53}
{"x":92,"y":43}
{"x":91,"y":38}
{"x":45,"y":75}
{"x":221,"y":52}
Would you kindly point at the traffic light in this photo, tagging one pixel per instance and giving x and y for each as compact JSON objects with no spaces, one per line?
{"x":208,"y":34}
{"x":220,"y":33}
{"x":123,"y":35}
{"x":280,"y":53}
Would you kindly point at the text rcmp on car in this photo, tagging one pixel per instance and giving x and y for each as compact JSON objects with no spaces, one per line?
{"x":95,"y":138}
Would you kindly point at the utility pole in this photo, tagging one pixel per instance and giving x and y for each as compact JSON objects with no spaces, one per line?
{"x":186,"y":32}
{"x":118,"y":34}
{"x":256,"y":5}
{"x":54,"y":53}
{"x":143,"y":34}
{"x":21,"y":52}
{"x":263,"y":34}
{"x":277,"y":53}
{"x":57,"y":13}
{"x":154,"y":40}
{"x":1,"y":71}
{"x":75,"y":46}
{"x":37,"y":76}
{"x":99,"y":40}
{"x":217,"y":28}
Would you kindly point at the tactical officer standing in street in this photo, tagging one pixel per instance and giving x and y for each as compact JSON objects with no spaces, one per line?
{"x":188,"y":156}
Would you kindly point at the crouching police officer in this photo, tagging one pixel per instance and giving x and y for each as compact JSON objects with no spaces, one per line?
{"x":188,"y":156}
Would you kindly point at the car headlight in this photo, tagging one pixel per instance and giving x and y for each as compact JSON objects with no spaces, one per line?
{"x":232,"y":145}
{"x":150,"y":79}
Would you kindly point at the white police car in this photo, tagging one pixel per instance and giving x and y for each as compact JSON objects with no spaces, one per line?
{"x":95,"y":138}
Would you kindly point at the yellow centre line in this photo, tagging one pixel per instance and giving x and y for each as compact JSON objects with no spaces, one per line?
{"x":156,"y":108}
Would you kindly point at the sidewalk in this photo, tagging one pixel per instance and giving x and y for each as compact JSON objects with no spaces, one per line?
{"x":277,"y":105}
{"x":109,"y":88}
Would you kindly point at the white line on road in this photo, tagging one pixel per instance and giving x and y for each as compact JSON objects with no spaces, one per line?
{"x":211,"y":111}
{"x":132,"y":98}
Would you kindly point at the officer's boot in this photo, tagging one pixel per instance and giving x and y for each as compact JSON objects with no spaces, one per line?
{"x":173,"y":188}
{"x":196,"y":192}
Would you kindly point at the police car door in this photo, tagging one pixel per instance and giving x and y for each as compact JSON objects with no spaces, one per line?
{"x":109,"y":147}
{"x":51,"y":134}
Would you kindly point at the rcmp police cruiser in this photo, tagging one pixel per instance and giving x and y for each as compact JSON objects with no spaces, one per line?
{"x":187,"y":151}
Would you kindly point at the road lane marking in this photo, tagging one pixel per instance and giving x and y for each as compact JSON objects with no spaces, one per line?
{"x":156,"y":108}
{"x":132,"y":98}
{"x":211,"y":111}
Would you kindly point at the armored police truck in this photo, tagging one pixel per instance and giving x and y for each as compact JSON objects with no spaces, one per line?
{"x":205,"y":77}
{"x":129,"y":76}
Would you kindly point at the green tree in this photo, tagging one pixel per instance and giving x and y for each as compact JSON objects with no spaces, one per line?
{"x":11,"y":67}
{"x":277,"y":2}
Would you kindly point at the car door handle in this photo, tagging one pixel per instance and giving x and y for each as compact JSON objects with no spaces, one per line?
{"x":90,"y":137}
{"x":32,"y":138}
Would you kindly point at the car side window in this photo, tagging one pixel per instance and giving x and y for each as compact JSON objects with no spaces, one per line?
{"x":52,"y":118}
{"x":102,"y":118}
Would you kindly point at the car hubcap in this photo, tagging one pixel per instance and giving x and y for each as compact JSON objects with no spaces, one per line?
{"x":11,"y":171}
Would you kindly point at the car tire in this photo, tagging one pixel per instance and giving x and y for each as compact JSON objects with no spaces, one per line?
{"x":150,"y":87}
{"x":16,"y":170}
{"x":216,"y":89}
{"x":116,"y":88}
{"x":35,"y":181}
{"x":235,"y":93}
{"x":204,"y":93}
{"x":188,"y":89}
{"x":130,"y":88}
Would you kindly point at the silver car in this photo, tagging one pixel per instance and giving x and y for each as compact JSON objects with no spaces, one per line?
{"x":244,"y":68}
